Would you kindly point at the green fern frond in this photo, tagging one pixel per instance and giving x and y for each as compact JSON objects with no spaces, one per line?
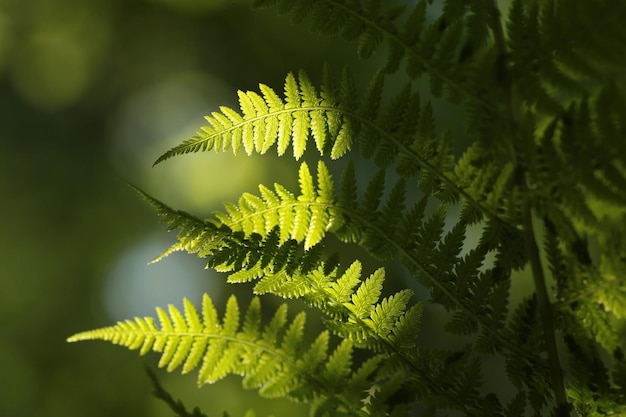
{"x":446,"y":49}
{"x":400,"y":134}
{"x":278,"y":267}
{"x":305,"y":217}
{"x":291,"y":270}
{"x":263,"y":355}
{"x":273,"y":359}
{"x":267,"y":120}
{"x":552,"y":61}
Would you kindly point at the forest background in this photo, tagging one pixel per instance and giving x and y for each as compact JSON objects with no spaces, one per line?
{"x":91,"y":92}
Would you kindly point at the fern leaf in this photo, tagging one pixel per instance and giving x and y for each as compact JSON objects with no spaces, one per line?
{"x":367,"y":295}
{"x":414,"y":23}
{"x":406,"y":329}
{"x":293,"y":336}
{"x":306,"y":217}
{"x":373,"y":196}
{"x":225,"y":345}
{"x":266,"y":120}
{"x":307,"y":189}
{"x":342,"y":289}
{"x":339,"y":363}
{"x":316,"y":355}
{"x":383,"y":317}
{"x":430,"y":233}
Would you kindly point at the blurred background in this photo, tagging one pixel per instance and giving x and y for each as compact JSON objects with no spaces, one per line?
{"x":91,"y":93}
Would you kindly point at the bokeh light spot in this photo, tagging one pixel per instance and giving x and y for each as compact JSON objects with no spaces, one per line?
{"x":50,"y":72}
{"x":134,"y":288}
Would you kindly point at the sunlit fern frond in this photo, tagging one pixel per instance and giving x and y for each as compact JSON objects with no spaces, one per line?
{"x":290,"y":270}
{"x":400,"y":133}
{"x":267,"y":120}
{"x":305,"y":217}
{"x":273,"y":358}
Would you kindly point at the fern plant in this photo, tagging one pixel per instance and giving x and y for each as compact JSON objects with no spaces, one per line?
{"x":543,"y":180}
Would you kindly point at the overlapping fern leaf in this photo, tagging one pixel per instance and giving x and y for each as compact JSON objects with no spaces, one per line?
{"x":557,"y":56}
{"x":253,"y":246}
{"x":289,"y":270}
{"x":449,"y":49}
{"x":402,"y":133}
{"x":576,"y":168}
{"x":273,"y":358}
{"x":354,"y":306}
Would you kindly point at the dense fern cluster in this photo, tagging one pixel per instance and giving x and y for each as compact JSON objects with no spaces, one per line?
{"x":543,"y":180}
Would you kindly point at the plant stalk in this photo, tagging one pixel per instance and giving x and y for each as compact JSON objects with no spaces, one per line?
{"x":530,"y":239}
{"x":545,"y":311}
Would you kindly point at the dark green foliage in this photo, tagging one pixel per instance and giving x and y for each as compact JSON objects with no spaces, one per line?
{"x":540,"y":188}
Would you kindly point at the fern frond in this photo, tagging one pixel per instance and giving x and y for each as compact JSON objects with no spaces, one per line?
{"x":263,"y":355}
{"x":274,"y":359}
{"x":267,"y":120}
{"x":289,"y":270}
{"x":446,"y":49}
{"x":281,"y":268}
{"x":552,"y":61}
{"x":305,"y":217}
{"x":399,"y":134}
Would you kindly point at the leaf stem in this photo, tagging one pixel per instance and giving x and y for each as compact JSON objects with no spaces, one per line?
{"x":532,"y":250}
{"x":545,"y":309}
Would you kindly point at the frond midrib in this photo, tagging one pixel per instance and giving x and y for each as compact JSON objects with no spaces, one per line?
{"x":233,"y":339}
{"x":269,"y":209}
{"x":107,"y":335}
{"x":208,"y":138}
